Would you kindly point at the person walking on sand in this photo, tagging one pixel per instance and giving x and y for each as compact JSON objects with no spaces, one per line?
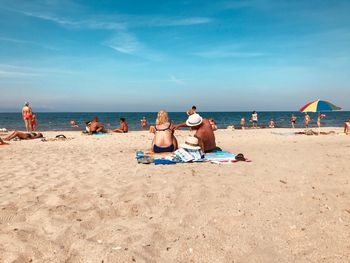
{"x":27,"y":116}
{"x":254,"y":119}
{"x":347,"y":127}
{"x":144,"y":123}
{"x":292,"y":120}
{"x":307,"y":120}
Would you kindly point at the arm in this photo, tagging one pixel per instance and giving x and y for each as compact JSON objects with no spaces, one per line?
{"x":176,"y":127}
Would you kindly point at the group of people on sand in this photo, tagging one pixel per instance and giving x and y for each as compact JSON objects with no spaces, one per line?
{"x":164,"y":132}
{"x":95,"y":126}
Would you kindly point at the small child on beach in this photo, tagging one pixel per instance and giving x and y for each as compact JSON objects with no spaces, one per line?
{"x":34,"y":122}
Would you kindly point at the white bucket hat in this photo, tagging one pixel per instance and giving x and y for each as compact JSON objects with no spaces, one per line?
{"x":191,"y":143}
{"x":194,"y":120}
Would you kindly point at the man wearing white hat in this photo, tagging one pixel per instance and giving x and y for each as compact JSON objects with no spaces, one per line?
{"x":204,"y":132}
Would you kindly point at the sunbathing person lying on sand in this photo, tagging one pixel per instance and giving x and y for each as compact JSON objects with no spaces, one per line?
{"x":23,"y":136}
{"x":164,"y":139}
{"x":95,"y":126}
{"x":123,"y":126}
{"x":2,"y":142}
{"x":347,"y":127}
{"x":204,"y":132}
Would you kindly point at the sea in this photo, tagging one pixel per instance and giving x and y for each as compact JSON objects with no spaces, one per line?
{"x":60,"y":121}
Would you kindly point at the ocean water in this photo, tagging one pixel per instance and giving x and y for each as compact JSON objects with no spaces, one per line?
{"x":61,"y":120}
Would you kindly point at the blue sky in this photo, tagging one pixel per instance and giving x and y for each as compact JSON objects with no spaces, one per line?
{"x":65,"y":55}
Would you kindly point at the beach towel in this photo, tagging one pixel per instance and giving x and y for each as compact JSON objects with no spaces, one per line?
{"x":100,"y":134}
{"x":219,"y":156}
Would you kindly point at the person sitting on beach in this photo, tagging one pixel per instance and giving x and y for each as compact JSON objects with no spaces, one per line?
{"x":242,"y":123}
{"x":271,"y":124}
{"x":95,"y":126}
{"x":164,"y":139}
{"x":307,"y":120}
{"x":23,"y":135}
{"x":213,"y":124}
{"x":293,"y":120}
{"x":193,"y":110}
{"x":204,"y":132}
{"x":123,"y":126}
{"x":347,"y":127}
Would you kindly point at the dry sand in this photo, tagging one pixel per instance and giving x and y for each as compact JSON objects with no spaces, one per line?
{"x":87,"y":200}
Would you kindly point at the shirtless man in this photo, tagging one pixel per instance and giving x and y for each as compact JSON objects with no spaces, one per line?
{"x":204,"y":132}
{"x":347,"y":127}
{"x":144,"y":123}
{"x":191,"y":111}
{"x":27,"y":116}
{"x":95,"y":126}
{"x":23,"y":136}
{"x":123,"y":126}
{"x":307,"y":120}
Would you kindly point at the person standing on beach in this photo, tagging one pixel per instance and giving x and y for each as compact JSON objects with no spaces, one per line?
{"x":307,"y":120}
{"x":144,"y":123}
{"x":34,"y":122}
{"x":292,"y":120}
{"x":193,"y":110}
{"x":27,"y":116}
{"x":242,"y":123}
{"x":254,"y":119}
{"x":347,"y":127}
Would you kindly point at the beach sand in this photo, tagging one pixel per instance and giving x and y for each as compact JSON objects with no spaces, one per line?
{"x":87,"y":200}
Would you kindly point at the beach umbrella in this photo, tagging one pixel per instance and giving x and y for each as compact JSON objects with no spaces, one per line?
{"x":318,"y":106}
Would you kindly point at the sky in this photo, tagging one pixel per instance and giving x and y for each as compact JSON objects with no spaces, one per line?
{"x":108,"y":55}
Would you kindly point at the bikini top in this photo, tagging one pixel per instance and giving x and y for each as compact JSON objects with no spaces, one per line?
{"x":166,"y":129}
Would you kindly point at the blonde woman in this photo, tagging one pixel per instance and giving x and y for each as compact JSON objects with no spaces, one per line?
{"x":164,"y":139}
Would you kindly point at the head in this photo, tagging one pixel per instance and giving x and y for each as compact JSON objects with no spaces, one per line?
{"x":95,"y":119}
{"x":162,"y":117}
{"x":122,"y":119}
{"x":26,"y":104}
{"x":194,"y":108}
{"x":254,"y":112}
{"x":194,"y":121}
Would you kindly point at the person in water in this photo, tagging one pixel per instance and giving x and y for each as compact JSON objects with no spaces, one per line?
{"x":271,"y":124}
{"x":23,"y":136}
{"x":307,"y":120}
{"x":123,"y":126}
{"x":242,"y":123}
{"x":95,"y":126}
{"x":27,"y":116}
{"x":204,"y":132}
{"x":164,"y":139}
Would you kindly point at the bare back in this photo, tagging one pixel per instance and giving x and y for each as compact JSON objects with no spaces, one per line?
{"x":206,"y":136}
{"x":164,"y":135}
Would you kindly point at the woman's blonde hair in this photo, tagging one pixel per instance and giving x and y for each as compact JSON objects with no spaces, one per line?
{"x":162,"y":117}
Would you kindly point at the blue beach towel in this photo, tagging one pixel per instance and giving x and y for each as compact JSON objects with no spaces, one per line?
{"x":219,"y":156}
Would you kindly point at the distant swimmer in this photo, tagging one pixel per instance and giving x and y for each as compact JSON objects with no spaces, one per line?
{"x":123,"y":126}
{"x":144,"y":123}
{"x":271,"y":124}
{"x":73,"y":124}
{"x":27,"y":116}
{"x":23,"y":136}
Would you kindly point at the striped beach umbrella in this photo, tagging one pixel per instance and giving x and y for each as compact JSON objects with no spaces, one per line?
{"x":318,"y":106}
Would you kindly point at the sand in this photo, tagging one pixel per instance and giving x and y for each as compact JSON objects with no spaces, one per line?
{"x":87,"y":200}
